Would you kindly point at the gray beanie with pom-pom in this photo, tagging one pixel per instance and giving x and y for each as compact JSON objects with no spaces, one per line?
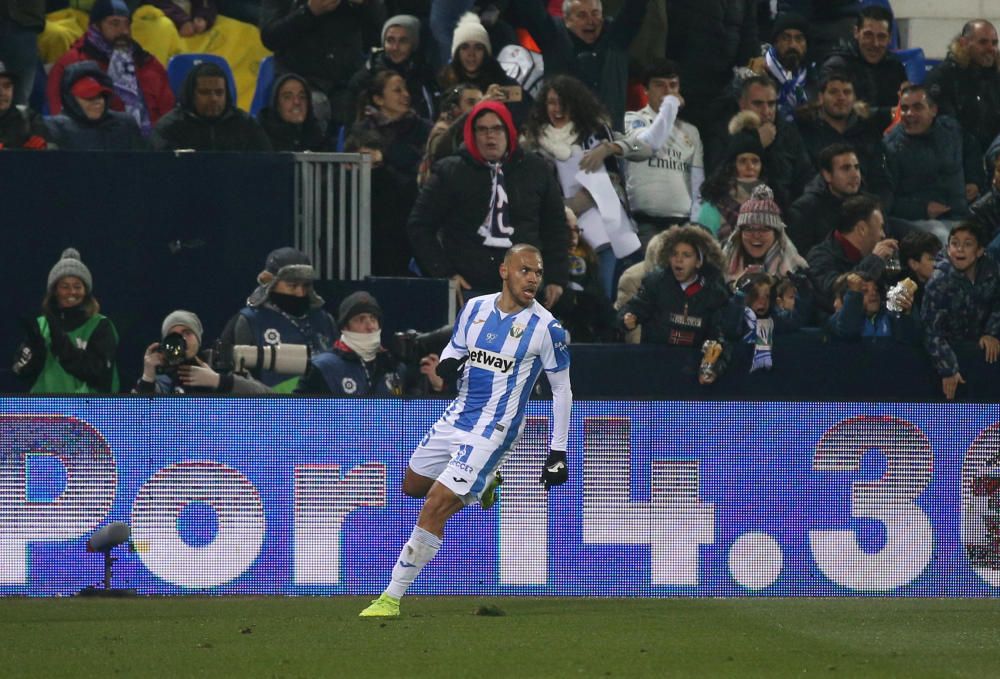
{"x":70,"y":264}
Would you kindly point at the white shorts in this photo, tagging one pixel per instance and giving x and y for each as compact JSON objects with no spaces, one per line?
{"x":458,"y":460}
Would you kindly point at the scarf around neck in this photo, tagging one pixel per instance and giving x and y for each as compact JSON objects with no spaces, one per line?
{"x":759,"y":334}
{"x":496,"y":229}
{"x":558,"y":142}
{"x":791,"y":86}
{"x":121,"y":70}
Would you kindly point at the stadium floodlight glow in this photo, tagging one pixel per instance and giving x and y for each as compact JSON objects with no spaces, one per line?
{"x":103,"y":541}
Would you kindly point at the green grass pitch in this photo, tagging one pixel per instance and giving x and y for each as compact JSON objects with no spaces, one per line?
{"x":446,"y":637}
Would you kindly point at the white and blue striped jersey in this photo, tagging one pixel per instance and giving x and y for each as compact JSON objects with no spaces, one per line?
{"x":507,"y":353}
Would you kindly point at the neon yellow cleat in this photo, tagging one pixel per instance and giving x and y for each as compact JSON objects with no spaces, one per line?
{"x":490,"y":493}
{"x":383,"y":607}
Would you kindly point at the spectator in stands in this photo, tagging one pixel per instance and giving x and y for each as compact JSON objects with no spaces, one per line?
{"x":446,"y":135}
{"x":664,"y":190}
{"x":918,"y":252}
{"x":986,"y":210}
{"x":20,"y":127}
{"x":836,"y":117}
{"x":194,"y":375}
{"x":830,"y":22}
{"x":788,"y":165}
{"x":70,"y":348}
{"x":875,"y":71}
{"x":139,"y":81}
{"x":731,"y":184}
{"x":481,"y":201}
{"x":586,"y":45}
{"x":358,"y":365}
{"x":289,"y":121}
{"x":708,"y":38}
{"x":323,"y":41}
{"x":815,"y":214}
{"x":785,"y":63}
{"x":385,"y":109}
{"x":570,"y":127}
{"x":857,"y":244}
{"x":284,"y":309}
{"x":206,"y":117}
{"x":962,"y":304}
{"x":752,"y":322}
{"x":584,"y":309}
{"x":760,"y":243}
{"x":966,"y":85}
{"x":392,"y":197}
{"x":191,"y":17}
{"x":472,"y":61}
{"x":400,"y":53}
{"x":20,"y":23}
{"x":87,"y":122}
{"x":681,"y":302}
{"x":926,"y":160}
{"x":631,"y":280}
{"x":860,"y":313}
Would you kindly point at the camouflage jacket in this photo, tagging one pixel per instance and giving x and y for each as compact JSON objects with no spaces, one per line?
{"x":956,"y":309}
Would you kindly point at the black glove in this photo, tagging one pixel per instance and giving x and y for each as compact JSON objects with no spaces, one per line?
{"x":555,"y":472}
{"x":62,"y":346}
{"x":33,"y":339}
{"x":448,"y":369}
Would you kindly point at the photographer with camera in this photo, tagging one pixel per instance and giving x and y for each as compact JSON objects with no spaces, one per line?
{"x":283,"y":310}
{"x":174,"y":365}
{"x":70,"y":348}
{"x":359,"y":365}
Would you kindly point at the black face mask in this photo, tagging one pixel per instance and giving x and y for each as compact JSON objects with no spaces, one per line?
{"x":290,"y":304}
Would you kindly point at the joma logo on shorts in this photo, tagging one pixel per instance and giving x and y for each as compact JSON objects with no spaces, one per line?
{"x":481,"y":358}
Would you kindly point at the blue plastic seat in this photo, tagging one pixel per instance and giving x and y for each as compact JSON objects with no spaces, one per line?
{"x":181,"y":64}
{"x":915,"y":63}
{"x":265,"y":79}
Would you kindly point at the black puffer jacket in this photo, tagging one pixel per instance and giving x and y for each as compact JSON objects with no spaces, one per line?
{"x":454,"y":202}
{"x":182,"y":128}
{"x":707,"y":38}
{"x":668,"y":314}
{"x":987,"y":211}
{"x":72,"y":130}
{"x":326,"y":50}
{"x":876,"y":84}
{"x":813,"y":216}
{"x":828,"y":260}
{"x":969,"y":93}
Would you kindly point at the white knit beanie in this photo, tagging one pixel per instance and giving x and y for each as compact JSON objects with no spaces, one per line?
{"x":470,"y":29}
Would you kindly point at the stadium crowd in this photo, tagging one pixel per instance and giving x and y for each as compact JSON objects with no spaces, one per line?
{"x":706,"y":174}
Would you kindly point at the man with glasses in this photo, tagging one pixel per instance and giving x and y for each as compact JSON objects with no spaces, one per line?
{"x":478,"y":203}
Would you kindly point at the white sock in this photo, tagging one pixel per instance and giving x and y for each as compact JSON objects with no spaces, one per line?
{"x":418,"y":550}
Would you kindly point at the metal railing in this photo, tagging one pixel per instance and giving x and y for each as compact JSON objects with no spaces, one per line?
{"x":333,"y":213}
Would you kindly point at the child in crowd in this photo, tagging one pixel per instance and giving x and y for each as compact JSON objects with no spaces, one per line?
{"x":962,"y":304}
{"x":784,"y":297}
{"x":860,"y":312}
{"x":583,"y":309}
{"x":754,"y":317}
{"x":681,"y":302}
{"x":918,"y":252}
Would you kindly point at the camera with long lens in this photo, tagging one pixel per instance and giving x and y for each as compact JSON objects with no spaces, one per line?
{"x":409,"y":346}
{"x":173,"y":347}
{"x":284,"y":359}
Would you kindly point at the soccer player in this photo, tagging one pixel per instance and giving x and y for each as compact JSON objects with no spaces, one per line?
{"x":504,"y":340}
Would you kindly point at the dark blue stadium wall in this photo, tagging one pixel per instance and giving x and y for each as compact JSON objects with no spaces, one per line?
{"x":122,"y":211}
